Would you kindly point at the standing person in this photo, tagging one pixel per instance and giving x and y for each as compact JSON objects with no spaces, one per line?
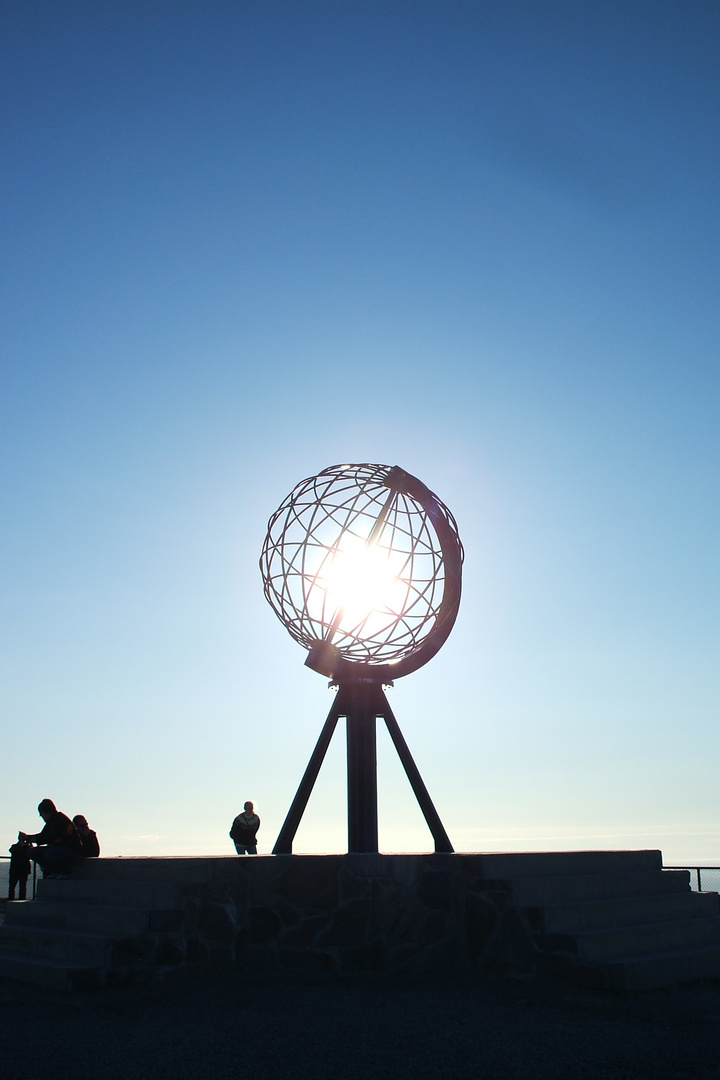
{"x":88,"y":837}
{"x":19,"y":870}
{"x":59,"y":845}
{"x":244,"y":831}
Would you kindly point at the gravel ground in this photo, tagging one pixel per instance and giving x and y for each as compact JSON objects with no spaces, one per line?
{"x":217,"y":1029}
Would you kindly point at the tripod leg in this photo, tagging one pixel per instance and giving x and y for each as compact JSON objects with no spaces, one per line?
{"x":440,"y":837}
{"x":284,"y":842}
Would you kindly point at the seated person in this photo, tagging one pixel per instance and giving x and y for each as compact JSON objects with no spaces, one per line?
{"x":88,"y":837}
{"x":59,"y":845}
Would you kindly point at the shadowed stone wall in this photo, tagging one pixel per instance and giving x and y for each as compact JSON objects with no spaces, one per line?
{"x":349,"y":914}
{"x":608,"y":918}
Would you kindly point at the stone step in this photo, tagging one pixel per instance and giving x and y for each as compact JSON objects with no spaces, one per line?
{"x":197,"y":869}
{"x":613,"y":917}
{"x":91,"y":918}
{"x":147,"y":894}
{"x":493,"y":866}
{"x":516,"y":865}
{"x":538,"y":891}
{"x":623,"y":942}
{"x":664,"y":969}
{"x":625,"y":911}
{"x":55,"y":975}
{"x":85,"y":949}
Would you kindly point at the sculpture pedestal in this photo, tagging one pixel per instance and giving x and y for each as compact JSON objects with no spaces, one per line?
{"x":606,"y":918}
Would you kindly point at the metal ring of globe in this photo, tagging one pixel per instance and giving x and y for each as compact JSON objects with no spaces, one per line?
{"x":363,"y":566}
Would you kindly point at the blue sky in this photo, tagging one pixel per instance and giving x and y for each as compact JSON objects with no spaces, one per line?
{"x":245,"y":241}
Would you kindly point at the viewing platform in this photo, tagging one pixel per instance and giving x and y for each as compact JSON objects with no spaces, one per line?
{"x":612,"y":919}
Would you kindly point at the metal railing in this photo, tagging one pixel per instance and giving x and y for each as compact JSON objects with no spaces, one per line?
{"x":5,"y":879}
{"x":702,"y":878}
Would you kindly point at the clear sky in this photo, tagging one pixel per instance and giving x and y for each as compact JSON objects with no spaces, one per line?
{"x":243,"y":241}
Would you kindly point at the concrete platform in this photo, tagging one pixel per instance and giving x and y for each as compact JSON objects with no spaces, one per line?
{"x":610,"y":919}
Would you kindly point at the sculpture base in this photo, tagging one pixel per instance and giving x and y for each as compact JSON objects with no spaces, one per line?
{"x":605,"y":918}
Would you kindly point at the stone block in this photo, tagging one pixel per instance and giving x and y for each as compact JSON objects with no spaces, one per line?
{"x":220,"y":956}
{"x":305,"y":933}
{"x":214,"y":923}
{"x":309,"y":881}
{"x":196,"y":951}
{"x":164,"y":921}
{"x":348,"y":926}
{"x":129,"y":952}
{"x":307,"y":962}
{"x":289,"y":914}
{"x":264,"y":925}
{"x":369,"y":959}
{"x":260,"y":961}
{"x":482,"y":924}
{"x":435,"y":889}
{"x":168,"y":954}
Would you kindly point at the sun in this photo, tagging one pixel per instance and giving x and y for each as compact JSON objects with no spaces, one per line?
{"x":359,"y":581}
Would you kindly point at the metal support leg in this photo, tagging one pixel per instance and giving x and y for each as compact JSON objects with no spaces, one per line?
{"x":362,"y":769}
{"x":284,"y":842}
{"x":361,"y":703}
{"x":435,"y":825}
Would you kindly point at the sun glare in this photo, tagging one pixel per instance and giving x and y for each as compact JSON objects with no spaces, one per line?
{"x":360,"y":581}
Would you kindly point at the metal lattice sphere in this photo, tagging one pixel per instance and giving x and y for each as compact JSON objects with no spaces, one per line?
{"x":363,"y":565}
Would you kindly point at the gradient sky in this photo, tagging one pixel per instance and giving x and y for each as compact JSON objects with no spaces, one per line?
{"x":243,"y":241}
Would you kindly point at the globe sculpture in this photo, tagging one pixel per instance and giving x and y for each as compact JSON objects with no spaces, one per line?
{"x":363,"y":566}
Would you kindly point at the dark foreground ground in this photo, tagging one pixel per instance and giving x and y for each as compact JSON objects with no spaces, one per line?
{"x":220,"y":1029}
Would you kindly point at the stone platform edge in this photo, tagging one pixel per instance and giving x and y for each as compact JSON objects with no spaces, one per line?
{"x":334,"y":915}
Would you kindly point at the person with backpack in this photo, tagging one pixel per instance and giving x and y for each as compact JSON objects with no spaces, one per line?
{"x":244,"y":831}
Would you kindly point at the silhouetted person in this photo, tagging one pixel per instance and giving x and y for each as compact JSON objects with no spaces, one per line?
{"x":19,"y":870}
{"x":244,"y":831}
{"x":59,"y":845}
{"x":88,"y":837}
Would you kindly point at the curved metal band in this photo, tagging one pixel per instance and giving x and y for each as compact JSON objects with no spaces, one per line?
{"x":326,"y":658}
